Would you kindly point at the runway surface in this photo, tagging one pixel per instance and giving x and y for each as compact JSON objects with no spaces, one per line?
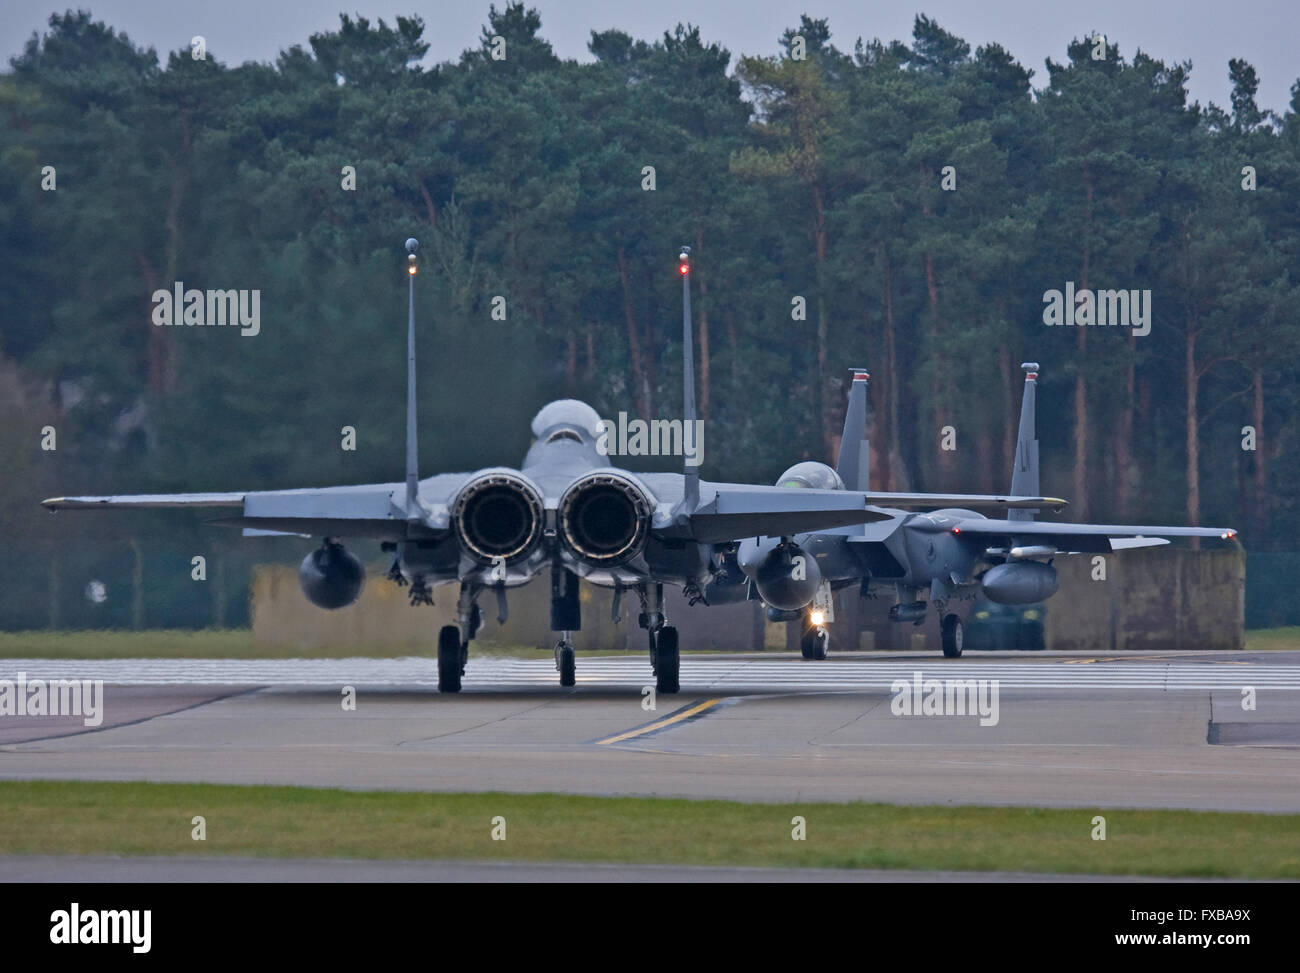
{"x":81,"y":869}
{"x":1164,"y":731}
{"x":699,"y":673}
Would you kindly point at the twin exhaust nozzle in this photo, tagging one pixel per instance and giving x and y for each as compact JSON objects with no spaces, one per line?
{"x":602,"y":519}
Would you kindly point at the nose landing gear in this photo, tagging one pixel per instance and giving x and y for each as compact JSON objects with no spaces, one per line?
{"x":815,"y":642}
{"x":566,"y":663}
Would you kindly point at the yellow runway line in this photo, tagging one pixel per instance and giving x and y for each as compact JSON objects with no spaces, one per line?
{"x":685,"y":714}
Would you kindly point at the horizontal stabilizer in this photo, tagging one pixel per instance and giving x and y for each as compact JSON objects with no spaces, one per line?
{"x":383,"y":530}
{"x":754,"y":511}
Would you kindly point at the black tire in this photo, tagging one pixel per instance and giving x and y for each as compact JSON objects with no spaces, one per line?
{"x":450,"y":659}
{"x":668,"y":661}
{"x":813,"y":644}
{"x":654,"y":657}
{"x":954,"y":636}
{"x":568,"y":667}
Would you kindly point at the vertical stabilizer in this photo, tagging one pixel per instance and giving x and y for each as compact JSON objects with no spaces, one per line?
{"x":1024,"y":475}
{"x":413,"y":512}
{"x":854,"y":460}
{"x":689,"y":470}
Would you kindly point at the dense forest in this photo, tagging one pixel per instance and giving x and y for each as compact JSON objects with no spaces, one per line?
{"x":900,"y":206}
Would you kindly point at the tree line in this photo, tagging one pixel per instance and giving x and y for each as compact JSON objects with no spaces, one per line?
{"x":903,"y":206}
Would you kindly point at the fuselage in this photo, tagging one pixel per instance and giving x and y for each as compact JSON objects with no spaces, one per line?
{"x":564,"y":505}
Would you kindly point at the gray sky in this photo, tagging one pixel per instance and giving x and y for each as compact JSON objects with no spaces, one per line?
{"x":1207,"y":32}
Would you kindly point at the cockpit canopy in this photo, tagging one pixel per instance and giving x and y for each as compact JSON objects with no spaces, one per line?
{"x":566,"y":414}
{"x":812,"y":476}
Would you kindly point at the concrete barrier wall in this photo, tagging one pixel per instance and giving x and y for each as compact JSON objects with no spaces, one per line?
{"x":1160,"y":598}
{"x":1154,"y":598}
{"x":383,"y":616}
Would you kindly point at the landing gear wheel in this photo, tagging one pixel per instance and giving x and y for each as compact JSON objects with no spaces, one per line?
{"x":451,"y":659}
{"x":814,"y":643}
{"x":654,"y":653}
{"x":567,"y":663}
{"x":667,"y":661}
{"x":954,"y":635}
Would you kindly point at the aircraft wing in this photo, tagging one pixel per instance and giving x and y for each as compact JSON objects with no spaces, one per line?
{"x":369,"y":510}
{"x":972,"y":501}
{"x":736,"y":511}
{"x":1084,"y":538}
{"x":145,"y":501}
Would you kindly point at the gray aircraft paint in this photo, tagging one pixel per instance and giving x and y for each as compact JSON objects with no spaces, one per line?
{"x":934,"y":554}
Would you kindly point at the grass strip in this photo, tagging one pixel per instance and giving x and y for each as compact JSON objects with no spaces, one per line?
{"x":74,"y":818}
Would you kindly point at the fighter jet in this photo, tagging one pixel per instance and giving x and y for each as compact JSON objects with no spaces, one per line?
{"x":937,"y":553}
{"x":565,"y":508}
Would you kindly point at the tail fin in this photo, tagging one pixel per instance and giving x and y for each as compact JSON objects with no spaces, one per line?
{"x":691,"y":472}
{"x":854,"y":463}
{"x":413,"y":513}
{"x":1024,"y":476}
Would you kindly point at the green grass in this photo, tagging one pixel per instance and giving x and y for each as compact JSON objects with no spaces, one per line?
{"x":58,"y":817}
{"x":1262,"y":639}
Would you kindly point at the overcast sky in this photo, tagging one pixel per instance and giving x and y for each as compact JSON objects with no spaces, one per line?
{"x":1206,"y":32}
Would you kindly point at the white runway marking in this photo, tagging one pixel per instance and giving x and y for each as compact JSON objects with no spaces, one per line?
{"x":697,"y":675}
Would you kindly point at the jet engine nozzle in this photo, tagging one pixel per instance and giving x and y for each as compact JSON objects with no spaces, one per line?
{"x":1019,"y":583}
{"x":331,"y":576}
{"x":498,"y":514}
{"x":604,"y":519}
{"x":786,"y":576}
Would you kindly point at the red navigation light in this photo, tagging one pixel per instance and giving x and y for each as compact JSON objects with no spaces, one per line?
{"x":685,"y":268}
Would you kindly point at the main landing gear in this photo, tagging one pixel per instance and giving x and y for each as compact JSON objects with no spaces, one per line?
{"x":452,"y":656}
{"x":667,"y":661}
{"x":953,"y":634}
{"x":665,"y":657}
{"x":453,"y":640}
